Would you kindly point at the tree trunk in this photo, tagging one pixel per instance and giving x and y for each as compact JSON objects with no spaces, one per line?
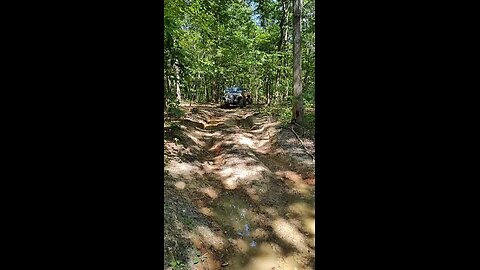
{"x":219,"y":86}
{"x":269,"y":90}
{"x":285,"y":64}
{"x":267,"y":94}
{"x":214,"y":91}
{"x":197,"y":94}
{"x":287,"y":87}
{"x":279,"y":48}
{"x":298,"y":111}
{"x":275,"y":87}
{"x":179,"y":94}
{"x":206,"y":90}
{"x":167,"y":85}
{"x":167,"y":78}
{"x":256,"y":94}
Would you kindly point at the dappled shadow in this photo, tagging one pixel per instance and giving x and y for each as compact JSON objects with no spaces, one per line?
{"x":253,"y":207}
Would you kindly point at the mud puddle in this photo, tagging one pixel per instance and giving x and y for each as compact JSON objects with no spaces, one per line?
{"x":234,"y":215}
{"x":250,"y":241}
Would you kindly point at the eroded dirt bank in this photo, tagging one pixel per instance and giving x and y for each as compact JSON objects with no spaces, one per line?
{"x":235,"y":196}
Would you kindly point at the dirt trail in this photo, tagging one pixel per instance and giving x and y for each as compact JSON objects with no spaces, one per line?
{"x":234,"y":198}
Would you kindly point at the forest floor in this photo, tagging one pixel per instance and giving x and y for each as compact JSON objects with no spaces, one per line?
{"x":239,"y":192}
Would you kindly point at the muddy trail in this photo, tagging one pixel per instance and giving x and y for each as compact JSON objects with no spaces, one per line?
{"x":235,"y":196}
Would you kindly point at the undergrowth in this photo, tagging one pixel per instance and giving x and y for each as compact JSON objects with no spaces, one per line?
{"x":283,"y":113}
{"x":171,"y":128}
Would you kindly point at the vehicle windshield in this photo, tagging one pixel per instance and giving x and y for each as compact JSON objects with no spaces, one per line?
{"x":233,"y":90}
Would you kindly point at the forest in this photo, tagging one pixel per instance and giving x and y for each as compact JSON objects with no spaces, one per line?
{"x":213,"y":44}
{"x":239,"y":181}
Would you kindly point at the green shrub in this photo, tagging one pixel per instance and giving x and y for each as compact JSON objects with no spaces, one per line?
{"x":175,"y":112}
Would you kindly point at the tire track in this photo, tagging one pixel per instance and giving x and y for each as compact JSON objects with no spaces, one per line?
{"x":242,"y":181}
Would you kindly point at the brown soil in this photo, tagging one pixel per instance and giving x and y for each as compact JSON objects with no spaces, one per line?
{"x":237,"y":196}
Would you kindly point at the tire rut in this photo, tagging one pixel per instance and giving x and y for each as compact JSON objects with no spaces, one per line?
{"x":251,"y":198}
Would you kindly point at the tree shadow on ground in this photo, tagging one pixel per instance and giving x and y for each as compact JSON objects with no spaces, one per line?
{"x":224,"y":166}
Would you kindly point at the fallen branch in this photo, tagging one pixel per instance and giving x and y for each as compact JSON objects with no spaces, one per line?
{"x":297,"y":124}
{"x":304,"y":147}
{"x":303,"y":129}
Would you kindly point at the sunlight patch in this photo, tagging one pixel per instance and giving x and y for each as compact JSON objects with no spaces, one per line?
{"x":241,"y":171}
{"x":216,"y":146}
{"x":246,"y":141}
{"x":296,"y":179}
{"x":293,"y":176}
{"x":289,"y":234}
{"x":207,"y":211}
{"x":309,"y":225}
{"x":230,"y":183}
{"x":211,"y":192}
{"x":180,"y":185}
{"x":252,"y":193}
{"x":241,"y":245}
{"x":186,"y":170}
{"x":210,"y":238}
{"x":265,"y":258}
{"x":301,"y":209}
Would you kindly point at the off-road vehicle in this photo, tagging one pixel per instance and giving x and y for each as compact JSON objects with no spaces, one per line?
{"x":236,"y":96}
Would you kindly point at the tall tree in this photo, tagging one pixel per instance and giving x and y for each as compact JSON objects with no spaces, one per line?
{"x":298,"y":110}
{"x":211,"y":44}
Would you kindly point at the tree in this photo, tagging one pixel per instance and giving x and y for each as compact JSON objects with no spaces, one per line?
{"x":209,"y":45}
{"x":298,"y":110}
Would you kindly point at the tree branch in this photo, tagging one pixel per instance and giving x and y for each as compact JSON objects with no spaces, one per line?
{"x":304,"y":147}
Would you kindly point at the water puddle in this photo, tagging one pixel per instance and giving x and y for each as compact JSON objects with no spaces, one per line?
{"x":254,"y":246}
{"x":251,"y":249}
{"x":234,"y":214}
